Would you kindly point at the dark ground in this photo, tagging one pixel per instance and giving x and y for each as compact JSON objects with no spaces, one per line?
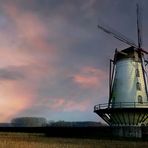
{"x":71,"y":132}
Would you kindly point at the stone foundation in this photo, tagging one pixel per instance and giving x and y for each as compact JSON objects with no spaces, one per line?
{"x":127,"y":131}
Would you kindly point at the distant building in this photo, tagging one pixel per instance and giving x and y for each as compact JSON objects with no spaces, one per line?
{"x":5,"y":125}
{"x":29,"y":122}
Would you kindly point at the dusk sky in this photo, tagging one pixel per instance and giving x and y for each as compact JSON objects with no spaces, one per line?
{"x":54,"y":61}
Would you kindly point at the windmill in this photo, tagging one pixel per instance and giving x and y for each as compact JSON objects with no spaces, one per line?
{"x":127,"y":108}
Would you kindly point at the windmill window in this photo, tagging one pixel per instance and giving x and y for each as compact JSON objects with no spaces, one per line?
{"x":137,"y":73}
{"x":140,"y":99}
{"x":138,"y":86}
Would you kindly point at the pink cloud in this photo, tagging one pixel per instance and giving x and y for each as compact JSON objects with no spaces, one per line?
{"x":89,"y":77}
{"x":14,"y":98}
{"x":31,"y":31}
{"x":77,"y":105}
{"x":61,"y":104}
{"x":27,"y":43}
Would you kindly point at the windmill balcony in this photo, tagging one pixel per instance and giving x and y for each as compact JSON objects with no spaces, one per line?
{"x":121,"y":105}
{"x":123,"y":113}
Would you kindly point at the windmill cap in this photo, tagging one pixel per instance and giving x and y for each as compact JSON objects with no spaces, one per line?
{"x":128,"y":53}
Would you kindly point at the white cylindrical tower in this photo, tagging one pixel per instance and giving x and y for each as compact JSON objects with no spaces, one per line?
{"x":128,"y":88}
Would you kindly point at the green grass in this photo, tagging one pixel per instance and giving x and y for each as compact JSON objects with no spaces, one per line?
{"x":22,"y":140}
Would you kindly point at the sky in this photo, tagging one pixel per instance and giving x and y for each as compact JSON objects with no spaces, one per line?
{"x":54,"y":61}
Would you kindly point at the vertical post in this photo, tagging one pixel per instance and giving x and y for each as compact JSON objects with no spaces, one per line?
{"x":110,"y":80}
{"x":111,"y":74}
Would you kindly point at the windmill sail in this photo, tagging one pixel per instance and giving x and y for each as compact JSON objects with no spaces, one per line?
{"x":139,"y":25}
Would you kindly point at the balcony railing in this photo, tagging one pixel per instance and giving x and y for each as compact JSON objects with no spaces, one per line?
{"x":121,"y":105}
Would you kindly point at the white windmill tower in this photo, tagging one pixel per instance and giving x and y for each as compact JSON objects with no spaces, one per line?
{"x":127,"y":109}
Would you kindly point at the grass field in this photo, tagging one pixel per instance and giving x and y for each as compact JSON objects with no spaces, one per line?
{"x":22,"y":140}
